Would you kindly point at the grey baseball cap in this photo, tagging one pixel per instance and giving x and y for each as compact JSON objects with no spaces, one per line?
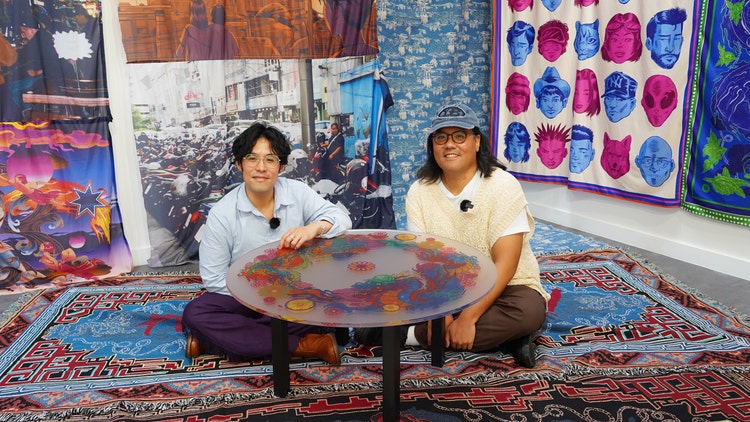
{"x":458,"y":115}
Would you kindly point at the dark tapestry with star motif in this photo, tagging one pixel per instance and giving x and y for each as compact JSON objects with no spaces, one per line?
{"x":60,"y":222}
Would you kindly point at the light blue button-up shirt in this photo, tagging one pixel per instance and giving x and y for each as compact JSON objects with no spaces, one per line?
{"x":234,"y":226}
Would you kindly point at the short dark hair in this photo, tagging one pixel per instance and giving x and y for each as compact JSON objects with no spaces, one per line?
{"x":521,"y":28}
{"x":674,"y":16}
{"x":245,"y":142}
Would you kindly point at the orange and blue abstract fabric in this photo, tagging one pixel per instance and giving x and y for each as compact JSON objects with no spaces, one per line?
{"x":248,"y":29}
{"x":717,"y":163}
{"x":59,"y":221}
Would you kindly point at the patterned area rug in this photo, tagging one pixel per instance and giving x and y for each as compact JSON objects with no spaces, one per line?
{"x":621,"y":343}
{"x":547,"y":240}
{"x":552,"y":240}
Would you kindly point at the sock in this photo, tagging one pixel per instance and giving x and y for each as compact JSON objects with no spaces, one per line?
{"x":411,"y":340}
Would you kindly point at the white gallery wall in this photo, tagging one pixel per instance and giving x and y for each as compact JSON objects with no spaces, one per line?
{"x":672,"y":232}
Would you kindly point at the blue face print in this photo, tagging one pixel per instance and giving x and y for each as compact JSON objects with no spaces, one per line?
{"x":586,"y":43}
{"x":655,"y":161}
{"x":581,"y":154}
{"x":618,"y":108}
{"x":519,"y":49}
{"x":551,"y":5}
{"x":665,"y":45}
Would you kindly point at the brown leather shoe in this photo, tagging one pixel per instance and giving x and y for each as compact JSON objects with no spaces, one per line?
{"x":192,"y":348}
{"x":321,"y":346}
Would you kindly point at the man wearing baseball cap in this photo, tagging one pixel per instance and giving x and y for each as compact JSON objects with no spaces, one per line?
{"x":619,"y":96}
{"x":465,"y":194}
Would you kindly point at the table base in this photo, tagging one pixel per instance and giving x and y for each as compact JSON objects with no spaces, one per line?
{"x":391,"y":362}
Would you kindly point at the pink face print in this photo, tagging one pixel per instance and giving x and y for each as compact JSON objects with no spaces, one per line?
{"x":622,"y":39}
{"x":616,"y":156}
{"x":551,"y":50}
{"x":586,"y":94}
{"x":552,"y":152}
{"x":519,"y":5}
{"x":517,"y":101}
{"x":621,"y":45}
{"x":553,"y":39}
{"x":517,"y":93}
{"x":659,"y":99}
{"x":552,"y":148}
{"x":582,"y":95}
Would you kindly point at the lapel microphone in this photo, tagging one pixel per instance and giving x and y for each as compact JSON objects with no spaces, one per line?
{"x":274,"y":223}
{"x":466,"y":205}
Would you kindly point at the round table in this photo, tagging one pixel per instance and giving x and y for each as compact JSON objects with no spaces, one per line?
{"x":363,"y":278}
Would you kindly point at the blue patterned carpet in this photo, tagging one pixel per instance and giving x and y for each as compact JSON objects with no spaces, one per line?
{"x":550,"y":240}
{"x":620,"y":343}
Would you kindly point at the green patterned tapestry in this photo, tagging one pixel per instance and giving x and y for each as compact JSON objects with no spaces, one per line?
{"x":717,"y":162}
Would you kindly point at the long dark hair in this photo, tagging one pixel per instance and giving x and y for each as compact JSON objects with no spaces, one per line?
{"x":430,"y":172}
{"x":245,"y":142}
{"x":198,"y":15}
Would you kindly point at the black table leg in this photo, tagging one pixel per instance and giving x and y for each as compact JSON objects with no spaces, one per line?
{"x":438,"y":342}
{"x":391,"y":373}
{"x":342,"y":336}
{"x":280,"y":356}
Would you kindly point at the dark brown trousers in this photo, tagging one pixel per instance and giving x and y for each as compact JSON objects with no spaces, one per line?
{"x":519,"y":311}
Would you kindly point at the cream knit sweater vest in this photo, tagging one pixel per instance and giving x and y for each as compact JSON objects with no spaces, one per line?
{"x":498,"y":200}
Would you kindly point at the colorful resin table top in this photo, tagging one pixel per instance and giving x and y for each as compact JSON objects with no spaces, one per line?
{"x":363,"y":278}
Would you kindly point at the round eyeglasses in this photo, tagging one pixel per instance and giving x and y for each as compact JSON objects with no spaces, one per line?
{"x":658,"y":163}
{"x":458,"y":137}
{"x":271,"y":161}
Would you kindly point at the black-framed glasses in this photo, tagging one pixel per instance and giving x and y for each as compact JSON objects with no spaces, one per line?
{"x":459,"y":137}
{"x":271,"y":161}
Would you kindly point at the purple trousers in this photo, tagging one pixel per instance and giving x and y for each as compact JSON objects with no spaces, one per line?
{"x":224,"y":326}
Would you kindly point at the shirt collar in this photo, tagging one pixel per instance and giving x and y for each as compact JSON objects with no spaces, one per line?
{"x":282,"y":197}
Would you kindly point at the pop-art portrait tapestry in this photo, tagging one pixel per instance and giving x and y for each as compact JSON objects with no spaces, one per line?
{"x":190,"y":30}
{"x":717,"y":165}
{"x":594,"y":95}
{"x":59,"y":221}
{"x":51,"y":61}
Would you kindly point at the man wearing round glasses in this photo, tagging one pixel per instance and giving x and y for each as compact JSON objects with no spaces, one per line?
{"x":264,"y":208}
{"x":465,"y":194}
{"x":655,"y":161}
